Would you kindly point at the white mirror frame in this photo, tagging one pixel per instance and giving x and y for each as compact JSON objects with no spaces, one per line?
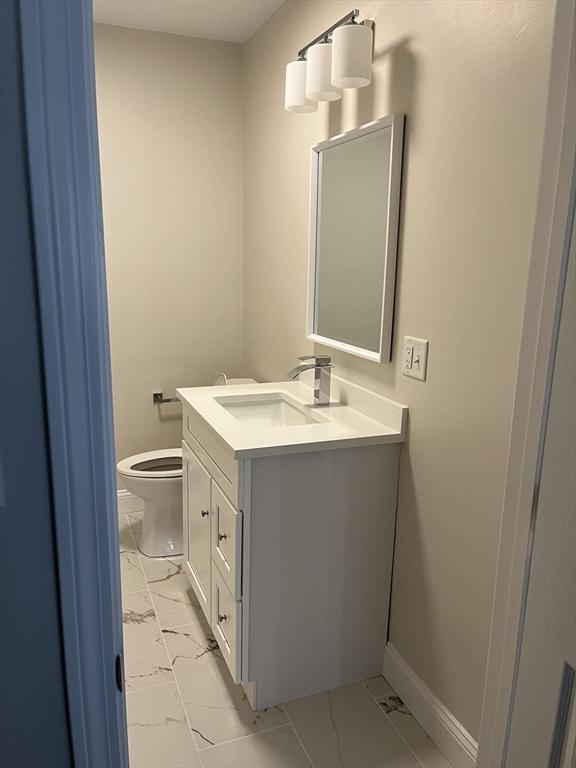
{"x":396,"y":122}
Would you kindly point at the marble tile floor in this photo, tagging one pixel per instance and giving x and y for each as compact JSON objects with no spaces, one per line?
{"x":184,"y":710}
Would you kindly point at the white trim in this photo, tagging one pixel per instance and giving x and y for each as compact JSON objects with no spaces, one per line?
{"x":343,"y":347}
{"x":371,"y":404}
{"x":368,"y":403}
{"x":396,"y":123}
{"x":444,"y":729}
{"x":537,"y":344}
{"x":127,"y":502}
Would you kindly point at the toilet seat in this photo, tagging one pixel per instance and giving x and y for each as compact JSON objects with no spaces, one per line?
{"x":149,"y":465}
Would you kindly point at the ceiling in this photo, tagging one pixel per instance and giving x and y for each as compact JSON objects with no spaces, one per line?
{"x":233,"y":21}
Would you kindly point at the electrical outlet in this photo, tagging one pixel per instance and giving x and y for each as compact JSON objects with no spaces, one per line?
{"x":415,"y":357}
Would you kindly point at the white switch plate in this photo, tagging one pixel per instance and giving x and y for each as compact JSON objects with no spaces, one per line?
{"x":415,"y":357}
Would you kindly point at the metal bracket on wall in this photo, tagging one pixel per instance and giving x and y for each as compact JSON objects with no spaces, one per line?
{"x":350,"y":18}
{"x":159,"y":399}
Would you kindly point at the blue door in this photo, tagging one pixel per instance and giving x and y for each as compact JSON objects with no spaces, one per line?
{"x":60,"y":630}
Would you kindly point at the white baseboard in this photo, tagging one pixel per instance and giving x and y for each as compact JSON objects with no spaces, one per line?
{"x":443,"y":728}
{"x":127,"y":502}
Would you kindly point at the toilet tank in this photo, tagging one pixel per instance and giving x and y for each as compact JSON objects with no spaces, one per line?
{"x":222,"y":379}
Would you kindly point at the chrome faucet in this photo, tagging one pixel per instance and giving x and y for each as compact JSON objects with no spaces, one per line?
{"x":321,"y":367}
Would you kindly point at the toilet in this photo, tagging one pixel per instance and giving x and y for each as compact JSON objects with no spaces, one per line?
{"x":156,"y":477}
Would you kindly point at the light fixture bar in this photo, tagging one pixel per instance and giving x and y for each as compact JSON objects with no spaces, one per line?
{"x":350,"y":17}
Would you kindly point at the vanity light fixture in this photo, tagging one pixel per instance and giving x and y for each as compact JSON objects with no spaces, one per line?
{"x":352,"y":55}
{"x":341,"y":57}
{"x":319,"y":73}
{"x":295,"y":94}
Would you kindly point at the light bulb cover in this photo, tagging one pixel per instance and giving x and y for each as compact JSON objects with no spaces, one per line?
{"x":352,"y":56}
{"x":295,"y":92}
{"x":319,"y":74}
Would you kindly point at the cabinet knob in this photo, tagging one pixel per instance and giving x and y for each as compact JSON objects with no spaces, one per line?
{"x":222,"y":536}
{"x":222,"y":618}
{"x":204,"y":513}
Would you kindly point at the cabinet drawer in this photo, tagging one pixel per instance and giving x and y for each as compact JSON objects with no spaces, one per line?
{"x":220,"y":459}
{"x":227,"y":541}
{"x":227,"y":623}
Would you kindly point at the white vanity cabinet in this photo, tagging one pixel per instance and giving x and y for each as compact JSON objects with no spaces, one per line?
{"x":197,"y":494}
{"x":292,"y":565}
{"x":212,"y":529}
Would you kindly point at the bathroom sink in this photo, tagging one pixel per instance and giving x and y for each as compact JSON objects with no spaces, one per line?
{"x":279,"y":417}
{"x":273,"y":409}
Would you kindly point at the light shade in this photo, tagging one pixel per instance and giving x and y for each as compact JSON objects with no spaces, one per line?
{"x":352,"y":56}
{"x":319,"y":74}
{"x":295,"y":93}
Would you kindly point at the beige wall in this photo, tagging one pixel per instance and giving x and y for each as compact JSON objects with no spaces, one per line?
{"x":471,"y":78}
{"x":170,"y":125}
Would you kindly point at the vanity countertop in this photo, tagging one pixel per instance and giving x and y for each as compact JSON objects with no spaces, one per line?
{"x":337,"y":425}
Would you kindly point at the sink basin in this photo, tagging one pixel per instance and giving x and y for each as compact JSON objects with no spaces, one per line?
{"x":273,"y":409}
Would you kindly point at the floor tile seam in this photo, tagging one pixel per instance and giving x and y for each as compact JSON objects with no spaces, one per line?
{"x":132,"y":591}
{"x":136,"y":592}
{"x":193,"y":622}
{"x":146,"y":591}
{"x":129,"y":552}
{"x":130,"y":531}
{"x":191,"y":732}
{"x":141,"y":562}
{"x":246,"y":736}
{"x":389,"y":720}
{"x":301,"y":742}
{"x":287,"y":724}
{"x":170,"y":626}
{"x":151,"y":687}
{"x":175,"y":682}
{"x":180,"y":626}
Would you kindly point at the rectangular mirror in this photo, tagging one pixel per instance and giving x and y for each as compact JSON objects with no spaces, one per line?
{"x":354,"y":209}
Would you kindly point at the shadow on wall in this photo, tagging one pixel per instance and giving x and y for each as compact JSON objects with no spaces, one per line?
{"x":168,"y":413}
{"x":409,"y":547}
{"x":399,"y":93}
{"x":403,"y":77}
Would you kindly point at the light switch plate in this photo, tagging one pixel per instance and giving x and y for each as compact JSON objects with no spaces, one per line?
{"x":415,"y":357}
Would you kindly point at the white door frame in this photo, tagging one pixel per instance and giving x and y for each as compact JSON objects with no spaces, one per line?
{"x":544,"y":291}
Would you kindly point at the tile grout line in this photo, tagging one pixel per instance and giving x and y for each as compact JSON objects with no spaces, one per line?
{"x":134,"y":551}
{"x":132,"y":591}
{"x":175,"y":681}
{"x":193,"y":622}
{"x":246,"y":736}
{"x":290,"y":724}
{"x":129,"y":531}
{"x":381,"y":710}
{"x":238,"y":738}
{"x":299,"y":739}
{"x":198,"y":750}
{"x":174,"y":560}
{"x":131,"y":534}
{"x":150,"y":687}
{"x":191,"y":732}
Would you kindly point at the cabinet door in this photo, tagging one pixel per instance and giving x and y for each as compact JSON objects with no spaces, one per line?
{"x":197,"y":526}
{"x":227,"y":623}
{"x":227,"y":541}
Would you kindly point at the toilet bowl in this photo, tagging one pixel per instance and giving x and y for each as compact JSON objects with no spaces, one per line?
{"x":156,"y":477}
